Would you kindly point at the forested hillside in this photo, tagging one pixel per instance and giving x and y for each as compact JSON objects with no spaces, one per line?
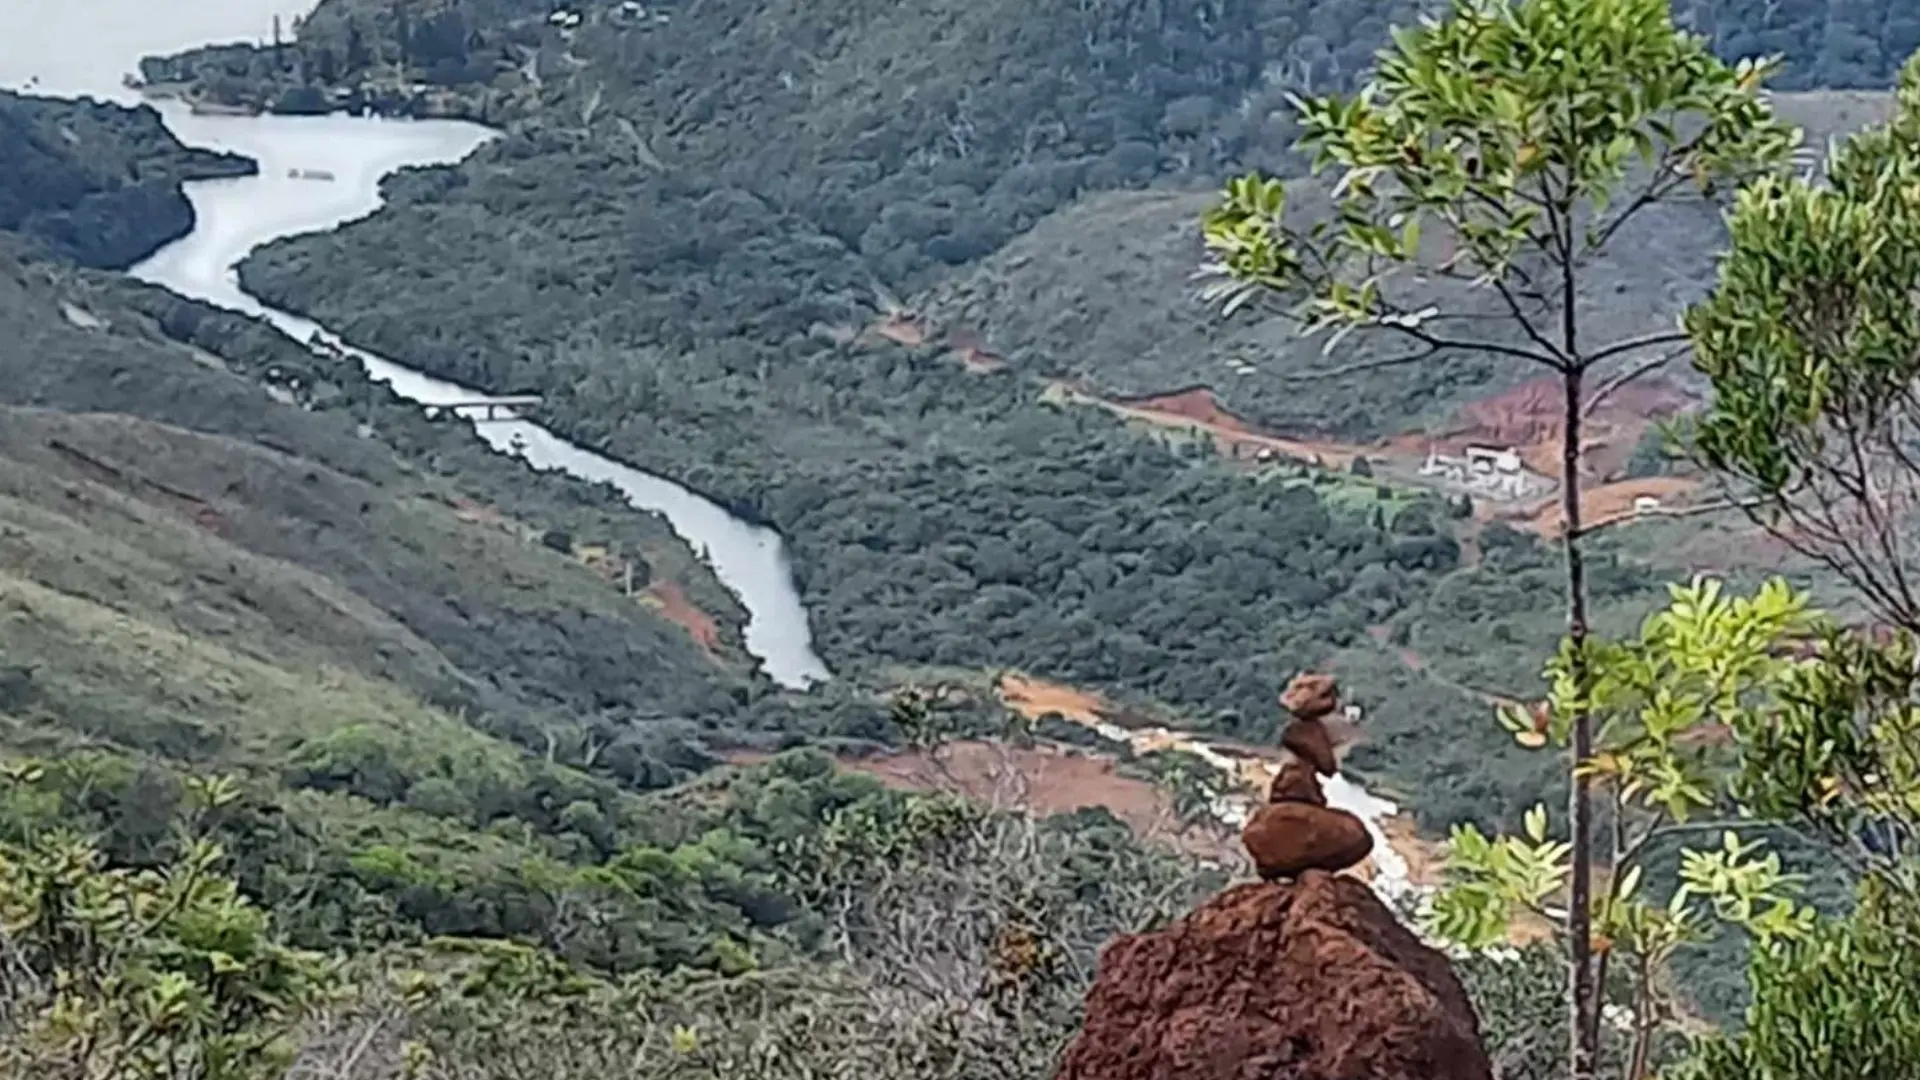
{"x":221,"y":554}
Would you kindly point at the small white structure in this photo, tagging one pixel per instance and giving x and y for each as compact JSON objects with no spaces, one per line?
{"x":1441,"y":465}
{"x":1501,"y":459}
{"x":1494,"y":469}
{"x":1645,"y":504}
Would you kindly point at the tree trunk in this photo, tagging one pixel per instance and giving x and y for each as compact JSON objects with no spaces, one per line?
{"x":1583,"y":998}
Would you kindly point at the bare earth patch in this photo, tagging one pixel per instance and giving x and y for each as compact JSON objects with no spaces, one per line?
{"x":1609,"y":503}
{"x":1034,"y":698}
{"x":675,"y":606}
{"x":1045,"y":780}
{"x":1198,"y":411}
{"x":1525,"y":417}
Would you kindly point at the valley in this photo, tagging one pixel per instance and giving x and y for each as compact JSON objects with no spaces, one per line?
{"x":859,"y":354}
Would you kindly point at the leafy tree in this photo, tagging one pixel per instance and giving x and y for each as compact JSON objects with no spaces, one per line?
{"x":120,"y":974}
{"x":1842,"y":1003}
{"x":1706,"y":663}
{"x":1837,"y":755}
{"x":1812,"y":342}
{"x":1503,"y":147}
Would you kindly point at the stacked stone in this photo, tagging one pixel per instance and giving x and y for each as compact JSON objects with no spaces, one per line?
{"x":1296,"y":831}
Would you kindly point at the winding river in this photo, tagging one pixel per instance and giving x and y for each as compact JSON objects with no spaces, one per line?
{"x":84,"y":47}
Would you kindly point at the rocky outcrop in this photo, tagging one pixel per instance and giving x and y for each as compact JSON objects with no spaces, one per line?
{"x":1296,"y":831}
{"x":1310,"y":979}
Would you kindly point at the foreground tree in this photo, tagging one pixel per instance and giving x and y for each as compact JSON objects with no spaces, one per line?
{"x":1838,"y":760}
{"x":1723,"y":716}
{"x":1502,"y":148}
{"x":1706,"y":666}
{"x":117,"y":974}
{"x":1812,"y":341}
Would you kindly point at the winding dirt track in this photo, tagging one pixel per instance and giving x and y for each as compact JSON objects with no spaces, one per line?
{"x":1511,"y":418}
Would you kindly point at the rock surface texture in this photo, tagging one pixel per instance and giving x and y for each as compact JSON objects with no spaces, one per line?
{"x":1296,"y":831}
{"x":1311,"y":979}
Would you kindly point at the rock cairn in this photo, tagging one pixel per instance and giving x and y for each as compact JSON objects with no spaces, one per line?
{"x":1295,"y":830}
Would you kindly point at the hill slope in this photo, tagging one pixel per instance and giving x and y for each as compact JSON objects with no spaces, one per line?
{"x":1103,"y":292}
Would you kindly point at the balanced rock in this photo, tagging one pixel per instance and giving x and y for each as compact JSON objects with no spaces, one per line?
{"x":1306,"y":980}
{"x":1296,"y":831}
{"x":1311,"y":742}
{"x":1311,"y":696}
{"x":1296,"y":782}
{"x":1287,"y":839}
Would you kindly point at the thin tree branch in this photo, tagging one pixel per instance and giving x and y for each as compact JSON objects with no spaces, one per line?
{"x":1668,"y":512}
{"x":1436,"y":343}
{"x":1361,"y":365}
{"x":1560,"y":358}
{"x":1619,"y":348}
{"x":1618,"y":382}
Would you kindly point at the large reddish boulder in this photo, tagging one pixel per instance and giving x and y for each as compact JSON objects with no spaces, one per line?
{"x":1312,"y":979}
{"x":1285,"y":839}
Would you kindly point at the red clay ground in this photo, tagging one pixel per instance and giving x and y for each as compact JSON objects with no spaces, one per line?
{"x":1607,"y":503}
{"x":1197,"y":409}
{"x":901,"y":328}
{"x":675,"y":606}
{"x":1044,"y":781}
{"x":1034,"y":698}
{"x":1525,"y":417}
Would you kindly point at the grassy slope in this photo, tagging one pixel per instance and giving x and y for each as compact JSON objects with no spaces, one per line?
{"x":519,"y":618}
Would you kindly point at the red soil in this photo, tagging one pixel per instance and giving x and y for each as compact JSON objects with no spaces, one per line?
{"x":1608,"y":503}
{"x":902,"y":329}
{"x":1528,"y":416}
{"x":675,"y":606}
{"x":1034,"y":698}
{"x":1043,"y":781}
{"x":1197,"y":409}
{"x":981,"y":361}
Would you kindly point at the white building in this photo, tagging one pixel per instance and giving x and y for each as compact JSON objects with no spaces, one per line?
{"x":1494,"y":469}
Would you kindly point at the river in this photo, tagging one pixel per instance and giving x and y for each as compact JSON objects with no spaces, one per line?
{"x":85,"y":47}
